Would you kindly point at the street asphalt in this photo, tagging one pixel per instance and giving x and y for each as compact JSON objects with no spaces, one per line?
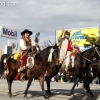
{"x":60,"y":90}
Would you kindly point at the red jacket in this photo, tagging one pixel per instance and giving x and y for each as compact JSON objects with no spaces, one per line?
{"x":70,"y":48}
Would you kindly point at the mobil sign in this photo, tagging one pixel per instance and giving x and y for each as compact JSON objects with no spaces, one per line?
{"x":8,"y":32}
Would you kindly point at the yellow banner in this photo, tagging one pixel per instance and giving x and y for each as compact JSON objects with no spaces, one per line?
{"x":77,"y":36}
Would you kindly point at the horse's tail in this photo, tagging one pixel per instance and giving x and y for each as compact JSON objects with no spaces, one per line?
{"x":3,"y":62}
{"x":6,"y":71}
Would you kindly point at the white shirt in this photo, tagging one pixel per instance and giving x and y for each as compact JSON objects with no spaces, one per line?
{"x":23,"y":46}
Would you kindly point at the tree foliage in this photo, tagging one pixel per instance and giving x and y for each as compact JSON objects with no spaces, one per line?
{"x":92,"y":40}
{"x":13,"y":45}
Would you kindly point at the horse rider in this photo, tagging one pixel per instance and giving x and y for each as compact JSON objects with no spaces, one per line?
{"x":73,"y":54}
{"x":25,"y":48}
{"x":65,"y":48}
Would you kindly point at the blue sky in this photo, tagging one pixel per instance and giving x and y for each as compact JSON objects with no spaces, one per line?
{"x":46,"y":16}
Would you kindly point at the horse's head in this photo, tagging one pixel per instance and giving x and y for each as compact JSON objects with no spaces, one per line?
{"x":97,"y":51}
{"x":91,"y":53}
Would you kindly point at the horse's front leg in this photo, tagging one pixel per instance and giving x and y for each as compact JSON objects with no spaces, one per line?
{"x":87,"y":80}
{"x":10,"y":78}
{"x":48,"y":79}
{"x":41,"y":80}
{"x":75,"y":83}
{"x":28,"y":85}
{"x":9,"y":87}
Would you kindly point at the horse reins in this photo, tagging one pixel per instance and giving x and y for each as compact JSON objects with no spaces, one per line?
{"x":85,"y":58}
{"x":88,"y":59}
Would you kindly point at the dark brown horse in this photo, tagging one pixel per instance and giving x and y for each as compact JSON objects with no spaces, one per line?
{"x":40,"y":66}
{"x":95,"y":70}
{"x":82,"y":65}
{"x":95,"y":65}
{"x":52,"y":70}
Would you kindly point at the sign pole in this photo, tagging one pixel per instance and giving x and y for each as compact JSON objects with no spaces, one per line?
{"x":8,"y":42}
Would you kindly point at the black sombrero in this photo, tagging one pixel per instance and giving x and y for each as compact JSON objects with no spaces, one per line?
{"x":26,"y":31}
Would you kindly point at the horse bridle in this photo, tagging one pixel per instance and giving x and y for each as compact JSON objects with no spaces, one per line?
{"x":85,"y":58}
{"x":96,"y":51}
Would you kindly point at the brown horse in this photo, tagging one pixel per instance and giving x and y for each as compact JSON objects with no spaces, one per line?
{"x":53,"y":69}
{"x":82,"y":65}
{"x":95,"y":65}
{"x":95,"y":69}
{"x":37,"y":71}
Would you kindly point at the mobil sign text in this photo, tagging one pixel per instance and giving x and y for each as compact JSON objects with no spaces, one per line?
{"x":10,"y":33}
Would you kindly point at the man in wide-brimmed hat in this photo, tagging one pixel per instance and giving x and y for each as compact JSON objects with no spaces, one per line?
{"x":25,"y":44}
{"x":65,"y":48}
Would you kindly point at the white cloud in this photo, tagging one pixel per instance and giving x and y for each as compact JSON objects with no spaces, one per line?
{"x":46,"y":16}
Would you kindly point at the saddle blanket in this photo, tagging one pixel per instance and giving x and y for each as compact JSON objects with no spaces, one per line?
{"x":30,"y":62}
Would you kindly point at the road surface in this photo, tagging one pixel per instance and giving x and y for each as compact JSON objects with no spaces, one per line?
{"x":61,"y":91}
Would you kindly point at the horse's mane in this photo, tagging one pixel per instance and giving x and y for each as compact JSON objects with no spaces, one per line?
{"x":45,"y":50}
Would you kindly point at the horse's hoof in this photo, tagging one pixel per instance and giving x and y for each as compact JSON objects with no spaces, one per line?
{"x":49,"y":92}
{"x":92,"y":96}
{"x":83,"y":88}
{"x":46,"y":97}
{"x":25,"y":97}
{"x":10,"y":95}
{"x":72,"y":95}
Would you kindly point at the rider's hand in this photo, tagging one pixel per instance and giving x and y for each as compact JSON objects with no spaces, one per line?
{"x":63,"y":31}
